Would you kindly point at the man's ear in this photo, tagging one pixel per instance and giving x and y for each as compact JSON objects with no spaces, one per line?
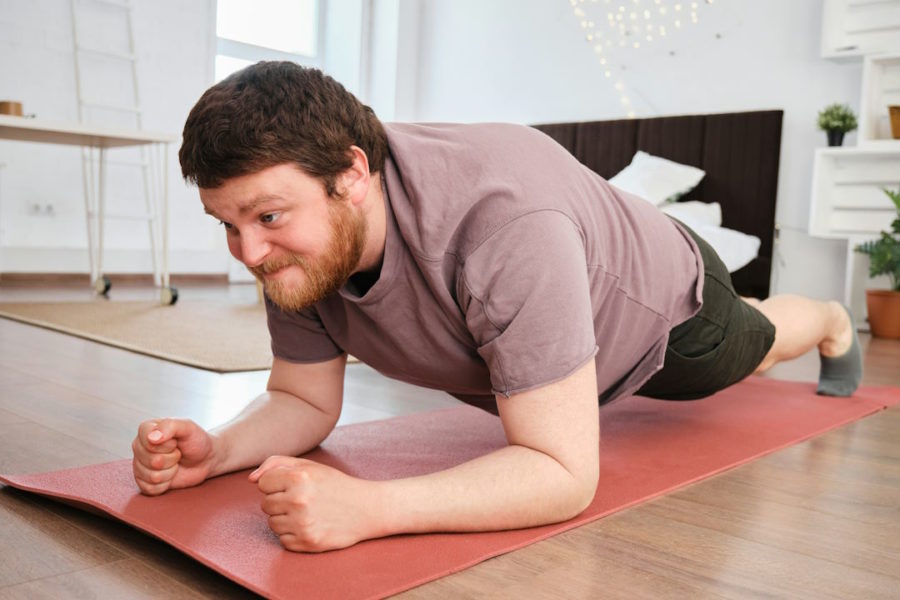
{"x":353,"y":183}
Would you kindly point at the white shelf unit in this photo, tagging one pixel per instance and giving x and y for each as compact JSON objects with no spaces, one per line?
{"x":880,"y":89}
{"x":847,"y":196}
{"x":852,"y":29}
{"x":848,"y":203}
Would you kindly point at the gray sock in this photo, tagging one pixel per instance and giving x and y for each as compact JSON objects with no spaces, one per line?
{"x":840,"y":375}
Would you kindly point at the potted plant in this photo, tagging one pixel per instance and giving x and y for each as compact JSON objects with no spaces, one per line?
{"x":836,"y":120}
{"x":884,"y":259}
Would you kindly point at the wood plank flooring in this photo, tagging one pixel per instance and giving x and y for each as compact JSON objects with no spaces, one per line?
{"x":820,"y":519}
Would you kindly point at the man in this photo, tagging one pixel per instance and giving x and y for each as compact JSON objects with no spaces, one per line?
{"x":482,"y":260}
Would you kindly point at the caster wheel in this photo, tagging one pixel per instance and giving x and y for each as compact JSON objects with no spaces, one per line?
{"x":102,"y":285}
{"x":169,"y":295}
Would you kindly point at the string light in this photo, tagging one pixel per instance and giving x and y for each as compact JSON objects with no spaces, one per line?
{"x":630,"y":24}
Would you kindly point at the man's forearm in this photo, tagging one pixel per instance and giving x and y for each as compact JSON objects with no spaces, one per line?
{"x":511,"y":488}
{"x":548,"y":473}
{"x":274,"y":423}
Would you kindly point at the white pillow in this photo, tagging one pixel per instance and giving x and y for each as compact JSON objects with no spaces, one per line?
{"x":708,"y":213}
{"x":657,"y":179}
{"x":736,"y":249}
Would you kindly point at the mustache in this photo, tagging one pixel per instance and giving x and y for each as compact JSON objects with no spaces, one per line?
{"x":275,"y":264}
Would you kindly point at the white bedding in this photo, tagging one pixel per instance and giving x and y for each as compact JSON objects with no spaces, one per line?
{"x":660,"y":181}
{"x":736,"y":249}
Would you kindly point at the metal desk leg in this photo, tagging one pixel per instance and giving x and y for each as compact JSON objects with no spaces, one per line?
{"x":102,"y":285}
{"x":87,"y":180}
{"x":92,"y":167}
{"x":169,"y":294}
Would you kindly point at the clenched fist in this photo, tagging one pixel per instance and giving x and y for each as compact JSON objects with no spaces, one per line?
{"x":171,"y":454}
{"x":313,"y":507}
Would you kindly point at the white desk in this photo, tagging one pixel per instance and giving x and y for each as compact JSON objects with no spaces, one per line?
{"x":95,"y":141}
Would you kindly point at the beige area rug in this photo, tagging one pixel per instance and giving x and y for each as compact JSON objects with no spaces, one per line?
{"x":210,"y":335}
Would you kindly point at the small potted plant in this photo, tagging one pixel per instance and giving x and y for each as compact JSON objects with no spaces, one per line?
{"x":884,"y":259}
{"x":836,"y":120}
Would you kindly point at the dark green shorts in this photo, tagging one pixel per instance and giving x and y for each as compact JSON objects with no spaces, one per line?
{"x":719,"y":346}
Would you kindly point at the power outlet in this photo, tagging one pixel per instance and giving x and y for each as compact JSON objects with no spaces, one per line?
{"x":37,"y":209}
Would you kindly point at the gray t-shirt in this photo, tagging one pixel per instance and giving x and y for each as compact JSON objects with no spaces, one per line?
{"x":507,"y":266}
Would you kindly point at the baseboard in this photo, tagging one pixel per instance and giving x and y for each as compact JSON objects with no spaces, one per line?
{"x":115,"y":260}
{"x":117,"y":279}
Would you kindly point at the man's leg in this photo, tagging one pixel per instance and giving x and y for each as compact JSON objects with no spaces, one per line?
{"x":802,"y":324}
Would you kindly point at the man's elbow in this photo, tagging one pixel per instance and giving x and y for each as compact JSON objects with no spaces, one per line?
{"x":588,"y":493}
{"x":581,"y":493}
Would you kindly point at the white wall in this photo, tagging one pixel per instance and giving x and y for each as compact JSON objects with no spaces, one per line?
{"x":528,"y":62}
{"x":173,"y":44}
{"x":503,"y":60}
{"x":175,"y":41}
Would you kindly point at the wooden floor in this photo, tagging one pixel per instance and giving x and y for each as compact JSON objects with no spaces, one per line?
{"x":818,"y":520}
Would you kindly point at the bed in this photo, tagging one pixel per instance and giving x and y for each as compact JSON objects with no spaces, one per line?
{"x":739,"y":153}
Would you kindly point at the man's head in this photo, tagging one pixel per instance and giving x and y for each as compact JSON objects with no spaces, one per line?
{"x":324,"y":275}
{"x":272,"y":113}
{"x":282,"y":155}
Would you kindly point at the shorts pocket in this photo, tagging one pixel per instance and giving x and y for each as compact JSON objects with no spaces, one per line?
{"x":690,"y":377}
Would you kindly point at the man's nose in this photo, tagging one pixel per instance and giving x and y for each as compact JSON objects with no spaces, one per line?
{"x":254,"y":249}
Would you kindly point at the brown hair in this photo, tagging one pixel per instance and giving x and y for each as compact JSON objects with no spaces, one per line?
{"x":272,"y":113}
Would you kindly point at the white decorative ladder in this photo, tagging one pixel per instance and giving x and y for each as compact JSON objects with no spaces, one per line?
{"x":94,"y":161}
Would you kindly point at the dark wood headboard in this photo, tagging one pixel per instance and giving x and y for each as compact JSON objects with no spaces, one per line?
{"x":738,"y":151}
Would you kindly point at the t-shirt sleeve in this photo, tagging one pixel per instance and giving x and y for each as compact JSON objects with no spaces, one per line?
{"x":526,"y":296}
{"x":299,"y":336}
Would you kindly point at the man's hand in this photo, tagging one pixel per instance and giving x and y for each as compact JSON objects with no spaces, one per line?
{"x":313,"y":507}
{"x":171,"y":454}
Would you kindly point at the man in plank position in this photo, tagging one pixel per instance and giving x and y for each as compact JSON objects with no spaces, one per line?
{"x":482,"y":260}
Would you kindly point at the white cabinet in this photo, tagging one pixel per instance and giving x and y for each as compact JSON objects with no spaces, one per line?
{"x":855,"y":28}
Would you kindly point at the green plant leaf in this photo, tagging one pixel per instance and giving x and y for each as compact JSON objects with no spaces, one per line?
{"x":884,"y":253}
{"x":837,"y":117}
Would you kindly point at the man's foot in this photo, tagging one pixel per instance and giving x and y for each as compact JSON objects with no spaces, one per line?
{"x":840,"y":360}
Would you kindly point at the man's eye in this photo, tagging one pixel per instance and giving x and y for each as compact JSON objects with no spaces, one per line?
{"x":227,"y":226}
{"x":269,"y":217}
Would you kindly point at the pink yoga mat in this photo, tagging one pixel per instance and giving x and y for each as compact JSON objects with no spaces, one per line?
{"x":648,"y":448}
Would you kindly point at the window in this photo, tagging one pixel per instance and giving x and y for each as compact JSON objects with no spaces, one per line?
{"x":248,"y":32}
